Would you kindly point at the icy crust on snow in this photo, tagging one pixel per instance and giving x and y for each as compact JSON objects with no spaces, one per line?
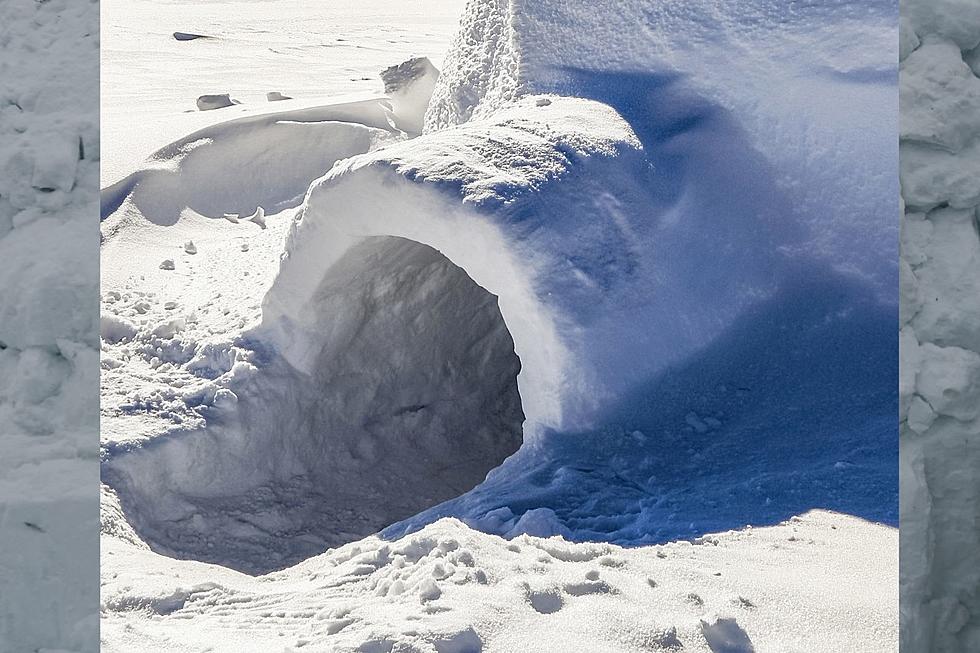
{"x":450,"y":589}
{"x":940,"y":326}
{"x":49,"y":159}
{"x":810,"y":87}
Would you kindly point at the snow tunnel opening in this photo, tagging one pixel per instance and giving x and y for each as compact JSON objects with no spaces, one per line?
{"x":412,"y":399}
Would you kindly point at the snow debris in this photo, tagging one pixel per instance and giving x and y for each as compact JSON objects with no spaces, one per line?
{"x":215,"y":101}
{"x":187,"y":36}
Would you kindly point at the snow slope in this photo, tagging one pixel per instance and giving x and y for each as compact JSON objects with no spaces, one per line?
{"x":49,"y":158}
{"x":644,"y":306}
{"x":940,"y":347}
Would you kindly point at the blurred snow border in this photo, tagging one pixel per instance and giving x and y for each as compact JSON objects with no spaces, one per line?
{"x":49,"y":169}
{"x":940,"y":325}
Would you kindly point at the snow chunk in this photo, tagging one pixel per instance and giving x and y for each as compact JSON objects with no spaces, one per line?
{"x":726,"y":636}
{"x":115,"y":329}
{"x":540,"y":522}
{"x":948,"y":249}
{"x":56,"y":158}
{"x":215,"y":101}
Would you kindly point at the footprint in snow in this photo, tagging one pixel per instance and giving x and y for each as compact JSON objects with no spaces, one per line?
{"x":726,"y":636}
{"x":546,"y":602}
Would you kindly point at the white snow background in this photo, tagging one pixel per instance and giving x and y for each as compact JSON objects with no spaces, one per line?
{"x":49,"y":360}
{"x":940,"y":326}
{"x":593,"y":352}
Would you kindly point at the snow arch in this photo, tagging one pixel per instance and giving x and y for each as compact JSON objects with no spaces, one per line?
{"x":389,"y":207}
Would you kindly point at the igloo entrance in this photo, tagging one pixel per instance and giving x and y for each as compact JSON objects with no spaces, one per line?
{"x":412,"y":400}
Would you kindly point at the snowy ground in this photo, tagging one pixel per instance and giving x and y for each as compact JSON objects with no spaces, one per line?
{"x":310,"y":51}
{"x":816,"y":583}
{"x":317,"y":324}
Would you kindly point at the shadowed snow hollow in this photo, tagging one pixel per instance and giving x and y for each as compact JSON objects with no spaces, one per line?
{"x":407,"y":398}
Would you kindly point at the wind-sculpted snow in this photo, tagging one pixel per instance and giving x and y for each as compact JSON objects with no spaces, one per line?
{"x":810,"y":87}
{"x":940,"y":326}
{"x":49,"y":161}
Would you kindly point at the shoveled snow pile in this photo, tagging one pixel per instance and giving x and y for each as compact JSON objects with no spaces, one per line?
{"x":617,"y":308}
{"x":49,"y":159}
{"x":940,"y":326}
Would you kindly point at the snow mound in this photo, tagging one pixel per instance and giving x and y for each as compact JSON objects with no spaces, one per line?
{"x":940,"y":314}
{"x":827,"y":116}
{"x":49,"y":165}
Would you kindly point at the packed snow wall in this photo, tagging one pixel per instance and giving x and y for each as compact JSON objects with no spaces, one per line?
{"x":49,"y":361}
{"x":940,"y":326}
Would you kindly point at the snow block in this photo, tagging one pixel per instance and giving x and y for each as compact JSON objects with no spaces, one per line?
{"x":214,"y":101}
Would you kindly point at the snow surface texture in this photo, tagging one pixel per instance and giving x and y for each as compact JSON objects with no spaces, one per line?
{"x":49,"y":159}
{"x":313,"y":52}
{"x":672,"y":291}
{"x":940,"y":326}
{"x":450,"y":589}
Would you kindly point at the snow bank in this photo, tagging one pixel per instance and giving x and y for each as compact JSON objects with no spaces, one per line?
{"x":940,"y":259}
{"x":49,"y":158}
